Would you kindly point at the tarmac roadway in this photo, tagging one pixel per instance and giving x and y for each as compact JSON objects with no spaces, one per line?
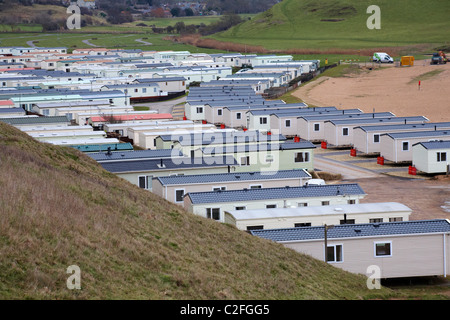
{"x":348,"y":171}
{"x":174,"y":107}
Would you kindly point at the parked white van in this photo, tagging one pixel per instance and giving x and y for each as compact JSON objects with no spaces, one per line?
{"x":382,"y":57}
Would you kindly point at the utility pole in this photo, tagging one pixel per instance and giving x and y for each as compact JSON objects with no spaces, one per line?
{"x":326,"y":227}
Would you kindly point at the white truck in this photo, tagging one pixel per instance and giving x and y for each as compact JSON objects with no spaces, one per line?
{"x":382,"y":57}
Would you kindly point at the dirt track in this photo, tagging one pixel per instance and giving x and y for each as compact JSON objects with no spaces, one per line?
{"x":393,"y":89}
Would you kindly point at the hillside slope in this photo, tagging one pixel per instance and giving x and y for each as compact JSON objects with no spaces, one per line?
{"x":342,"y":24}
{"x":60,"y":208}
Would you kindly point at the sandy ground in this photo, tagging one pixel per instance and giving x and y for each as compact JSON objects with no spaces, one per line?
{"x":391,"y":89}
{"x":388,"y":89}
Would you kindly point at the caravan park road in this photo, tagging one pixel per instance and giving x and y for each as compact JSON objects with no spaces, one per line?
{"x":347,"y":171}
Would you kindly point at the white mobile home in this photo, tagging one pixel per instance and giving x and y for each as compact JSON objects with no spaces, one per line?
{"x":311,"y":127}
{"x":173,"y":188}
{"x":432,"y":157}
{"x":397,"y":249}
{"x":340,"y":132}
{"x":305,"y":216}
{"x":213,"y":204}
{"x":141,"y":172}
{"x":397,"y":147}
{"x":366,"y":139}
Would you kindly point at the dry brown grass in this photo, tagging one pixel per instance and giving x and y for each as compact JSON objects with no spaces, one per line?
{"x":60,"y":208}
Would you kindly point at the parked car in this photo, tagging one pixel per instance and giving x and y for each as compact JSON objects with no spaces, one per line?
{"x":438,"y":58}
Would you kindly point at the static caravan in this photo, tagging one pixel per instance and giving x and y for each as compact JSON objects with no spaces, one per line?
{"x":52,"y":108}
{"x":340,"y":132}
{"x":99,"y":121}
{"x":397,"y":147}
{"x":221,"y":137}
{"x":12,"y":112}
{"x":81,"y":115}
{"x":133,"y":155}
{"x":260,"y":118}
{"x":32,"y":121}
{"x":214,"y":204}
{"x":64,"y":141}
{"x":146,"y":139}
{"x":142,"y":172}
{"x":366,"y":139}
{"x":432,"y":157}
{"x":122,"y":128}
{"x":213,"y":109}
{"x":311,"y":127}
{"x":55,"y":129}
{"x":172,"y":85}
{"x":61,"y":135}
{"x":173,"y":188}
{"x":395,"y":249}
{"x":302,"y":215}
{"x":267,"y":156}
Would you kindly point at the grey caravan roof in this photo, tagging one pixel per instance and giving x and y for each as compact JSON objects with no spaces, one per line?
{"x":164,"y":79}
{"x":35,"y":120}
{"x":356,"y":230}
{"x":412,"y":126}
{"x":168,"y":164}
{"x":221,"y":137}
{"x":262,"y":147}
{"x":275,"y":193}
{"x":135,"y":155}
{"x":418,"y":134}
{"x":285,"y":111}
{"x":442,"y":144}
{"x":378,"y":120}
{"x":224,"y":97}
{"x":5,"y":111}
{"x":232,"y":177}
{"x":233,"y":82}
{"x":344,"y":116}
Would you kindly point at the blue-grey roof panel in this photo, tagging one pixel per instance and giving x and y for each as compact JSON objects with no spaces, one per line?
{"x":379,"y":120}
{"x":345,"y":116}
{"x":412,"y":126}
{"x":115,"y":147}
{"x":443,"y":144}
{"x":275,"y":193}
{"x":260,"y":147}
{"x":135,"y":154}
{"x":227,"y":177}
{"x":167,"y":164}
{"x":356,"y":230}
{"x":418,"y":134}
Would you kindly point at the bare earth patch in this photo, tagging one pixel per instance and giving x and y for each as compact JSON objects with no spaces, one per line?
{"x":393,"y":89}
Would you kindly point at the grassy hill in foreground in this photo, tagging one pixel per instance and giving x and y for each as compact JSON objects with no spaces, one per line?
{"x":331,"y":24}
{"x":60,"y":208}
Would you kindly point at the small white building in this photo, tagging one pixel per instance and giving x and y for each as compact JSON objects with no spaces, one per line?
{"x":431,"y":157}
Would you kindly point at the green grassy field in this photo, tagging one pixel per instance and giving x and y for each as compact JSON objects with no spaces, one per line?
{"x":108,"y":40}
{"x":294,"y":24}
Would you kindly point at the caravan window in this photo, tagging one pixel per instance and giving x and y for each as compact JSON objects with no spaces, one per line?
{"x":334,"y":253}
{"x":383,"y":249}
{"x":441,"y":156}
